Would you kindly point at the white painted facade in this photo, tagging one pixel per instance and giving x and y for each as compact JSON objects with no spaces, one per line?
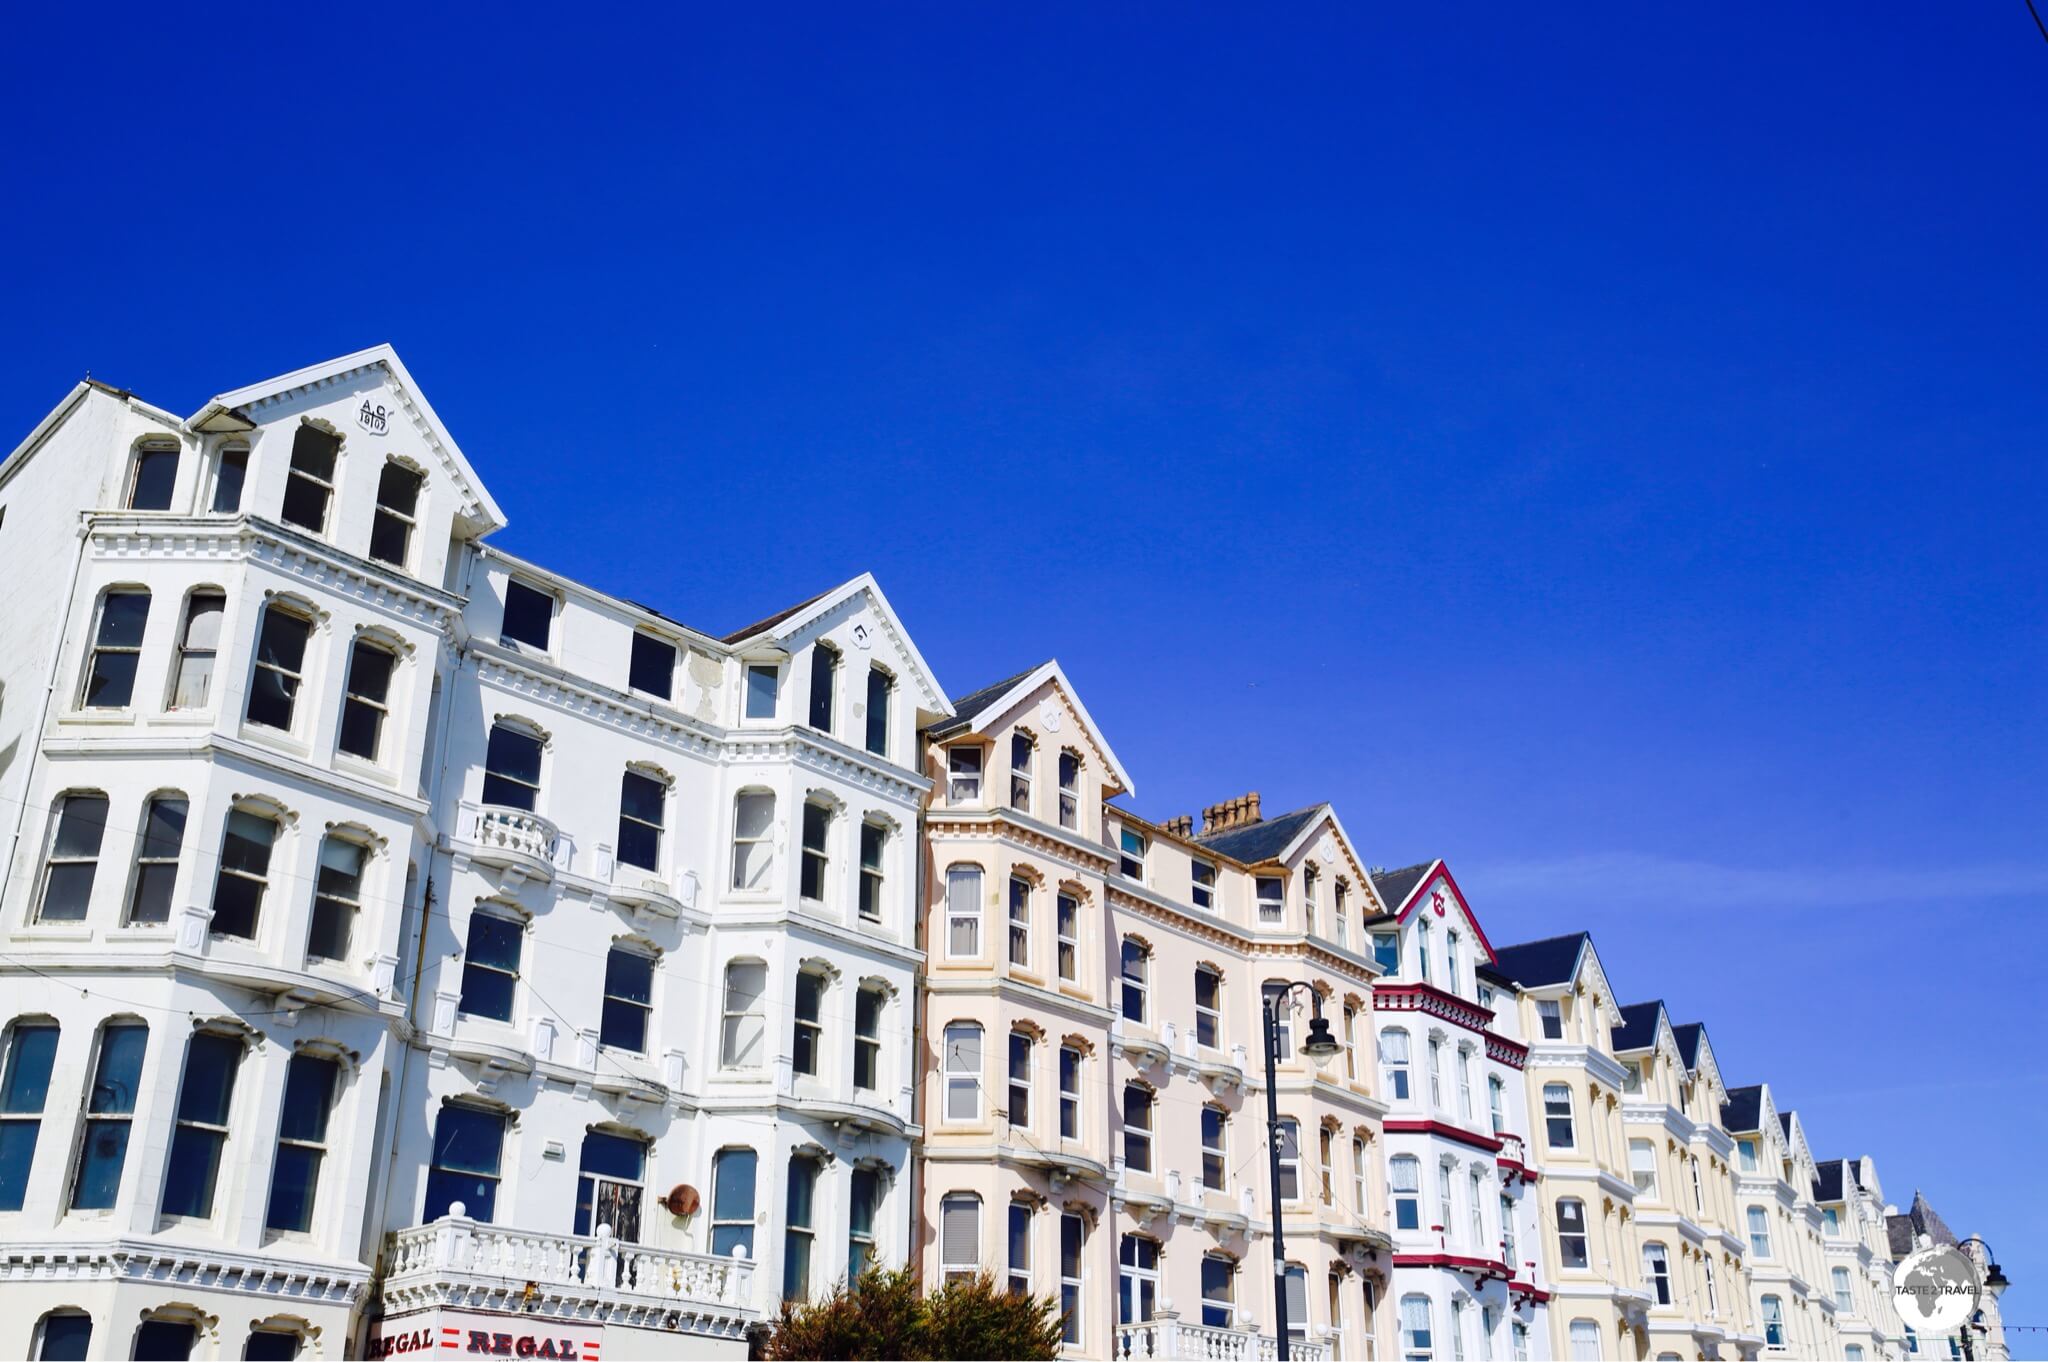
{"x":345,"y":956}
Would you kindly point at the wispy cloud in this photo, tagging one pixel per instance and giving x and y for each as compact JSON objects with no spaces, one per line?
{"x":1631,"y":879}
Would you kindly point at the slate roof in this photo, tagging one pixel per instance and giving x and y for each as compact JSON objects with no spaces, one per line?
{"x":1744,"y":1108}
{"x":778,"y":617}
{"x":1688,"y":1038}
{"x":1261,"y":841}
{"x":1785,"y":1123}
{"x":1638,"y":1029}
{"x":966,"y":708}
{"x":1487,"y":972}
{"x":1394,"y":886}
{"x":1827,"y":1182}
{"x":1920,"y":1218}
{"x":1532,"y":964}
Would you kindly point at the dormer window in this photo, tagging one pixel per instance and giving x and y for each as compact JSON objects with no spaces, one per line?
{"x":529,"y":616}
{"x":1272,"y":892}
{"x":231,"y":470}
{"x":1070,"y":790}
{"x":1022,"y":750}
{"x":881,"y":690}
{"x":1131,"y":855}
{"x":398,"y":499}
{"x":763,"y":681}
{"x":1204,"y":876}
{"x":1550,"y":1016}
{"x":155,"y":476}
{"x":310,"y":485}
{"x":1386,"y":952}
{"x":963,"y":775}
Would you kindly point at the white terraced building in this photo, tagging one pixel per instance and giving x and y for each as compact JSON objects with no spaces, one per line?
{"x":397,"y":938}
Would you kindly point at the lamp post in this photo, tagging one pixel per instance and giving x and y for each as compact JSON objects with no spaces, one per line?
{"x":1995,"y":1282}
{"x":1319,"y":1046}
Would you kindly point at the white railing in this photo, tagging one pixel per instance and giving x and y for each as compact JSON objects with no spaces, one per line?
{"x":1172,"y":1339}
{"x":1511,"y":1149}
{"x":594,"y":1265}
{"x":495,"y":828}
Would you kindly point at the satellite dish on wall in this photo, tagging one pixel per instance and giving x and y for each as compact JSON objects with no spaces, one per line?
{"x":681,"y":1199}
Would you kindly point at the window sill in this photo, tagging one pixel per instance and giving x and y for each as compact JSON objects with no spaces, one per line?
{"x":1022,"y":975}
{"x":279,"y":739}
{"x":350,"y":764}
{"x":102,"y":718}
{"x":54,"y":931}
{"x":181,"y":718}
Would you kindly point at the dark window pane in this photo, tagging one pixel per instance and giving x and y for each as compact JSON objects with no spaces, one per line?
{"x":271,"y":697}
{"x":761,"y":692}
{"x":824,"y":668}
{"x":653,"y":666}
{"x":487,"y":993}
{"x":120,"y":1070}
{"x":17,"y":1159}
{"x":209,"y":1086}
{"x":156,"y":472}
{"x":313,"y":452}
{"x":624,"y":1026}
{"x":282,"y":642}
{"x":369,"y":672}
{"x":67,"y":893}
{"x":641,"y":797}
{"x":246,"y":846}
{"x":305,"y":504}
{"x":733,"y":1190}
{"x":227,"y":486}
{"x":511,"y":768}
{"x":495,"y":941}
{"x":398,"y":489}
{"x":878,"y":711}
{"x":292,"y":1183}
{"x":614,"y":1156}
{"x":333,"y":923}
{"x":112,"y":683}
{"x":360,"y":727}
{"x":31,"y":1050}
{"x":308,"y":1098}
{"x":189,"y":1175}
{"x":389,"y":538}
{"x":99,"y":1165}
{"x":66,"y":1338}
{"x":479,"y":1196}
{"x":123,"y":617}
{"x":162,"y":1340}
{"x":163,"y":827}
{"x":266,"y":1345}
{"x":469,"y":1140}
{"x":630,"y":976}
{"x":235,"y":904}
{"x":528,"y":616}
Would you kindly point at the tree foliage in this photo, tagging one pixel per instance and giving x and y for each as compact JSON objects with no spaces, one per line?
{"x":884,"y":1316}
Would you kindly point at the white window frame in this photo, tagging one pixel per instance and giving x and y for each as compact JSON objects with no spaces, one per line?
{"x":963,"y":1077}
{"x":963,"y":774}
{"x":963,"y":910}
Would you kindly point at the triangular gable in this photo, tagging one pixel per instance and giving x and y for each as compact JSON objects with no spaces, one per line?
{"x":1802,"y":1153}
{"x":18,"y":457}
{"x":248,"y":403}
{"x":789,"y":631}
{"x":1429,"y":890}
{"x":1589,"y":963}
{"x":992,"y":716}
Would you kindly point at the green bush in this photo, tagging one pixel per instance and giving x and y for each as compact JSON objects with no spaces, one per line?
{"x":885,"y":1317}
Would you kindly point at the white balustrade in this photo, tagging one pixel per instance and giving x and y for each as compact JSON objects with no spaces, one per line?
{"x":596,"y":1265}
{"x":1174,"y":1340}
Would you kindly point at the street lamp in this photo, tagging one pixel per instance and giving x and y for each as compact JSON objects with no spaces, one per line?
{"x":1995,"y":1282}
{"x":1320,"y":1046}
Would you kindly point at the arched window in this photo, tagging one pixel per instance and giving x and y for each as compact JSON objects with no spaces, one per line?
{"x":863,"y":1201}
{"x":337,"y":898}
{"x":732,"y":1201}
{"x":1571,"y":1232}
{"x":611,"y":1184}
{"x":1774,"y":1322}
{"x":1844,"y":1294}
{"x":799,"y":1213}
{"x":753,"y":850}
{"x":1070,"y":1092}
{"x":1496,"y":1103}
{"x":155,"y":476}
{"x":1023,"y":752}
{"x":963,"y":912}
{"x":642,"y":803}
{"x":1585,"y":1337}
{"x":1310,"y":899}
{"x":1070,"y":790}
{"x":1020,"y":1079}
{"x":628,"y":1000}
{"x":244,"y":873}
{"x":1290,"y":1159}
{"x":824,"y":676}
{"x":280,"y":667}
{"x":1137,"y":1127}
{"x":165,"y":1336}
{"x":1137,"y":969}
{"x":198,"y":648}
{"x":1020,"y":922}
{"x":1657,"y":1272}
{"x":230,"y":471}
{"x":368,"y":700}
{"x":116,"y":649}
{"x":1137,"y":1284}
{"x":490,"y":966}
{"x":156,"y":859}
{"x":1436,"y":1071}
{"x":310,"y":484}
{"x":807,"y":1042}
{"x":963,"y":1072}
{"x":1422,"y":944}
{"x":1273,"y":993}
{"x":1451,"y":962}
{"x":816,"y":871}
{"x":309,"y":1087}
{"x":512,"y":768}
{"x":1759,"y":1231}
{"x":398,"y":502}
{"x":1557,"y":1115}
{"x":1215,"y":1149}
{"x":1208,"y":1007}
{"x":1019,"y":1279}
{"x":1067,"y":931}
{"x":76,"y":832}
{"x":24,"y":1089}
{"x":64,"y":1336}
{"x":200,"y":1133}
{"x":1418,"y":1342}
{"x":468,"y":1163}
{"x":959,"y":1236}
{"x":744,"y":1034}
{"x":873,"y":839}
{"x":881,"y":694}
{"x":1394,"y":1062}
{"x":109,"y":1113}
{"x":867,"y":1037}
{"x":1642,"y":1167}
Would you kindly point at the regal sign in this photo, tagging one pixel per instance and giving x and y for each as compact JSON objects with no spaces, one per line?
{"x":470,"y":1333}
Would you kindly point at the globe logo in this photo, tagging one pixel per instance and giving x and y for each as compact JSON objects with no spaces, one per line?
{"x":1936,"y":1289}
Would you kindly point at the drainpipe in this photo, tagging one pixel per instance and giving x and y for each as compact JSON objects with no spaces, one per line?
{"x":37,"y":734}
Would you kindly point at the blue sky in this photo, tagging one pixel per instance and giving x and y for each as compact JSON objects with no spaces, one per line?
{"x":1601,"y":446}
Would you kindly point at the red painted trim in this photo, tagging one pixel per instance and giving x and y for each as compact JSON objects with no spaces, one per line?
{"x":1449,"y":1132}
{"x":1528,"y":1289}
{"x":1432,"y":1001}
{"x":1457,"y":1262}
{"x":1414,"y":900}
{"x":1512,"y":1053}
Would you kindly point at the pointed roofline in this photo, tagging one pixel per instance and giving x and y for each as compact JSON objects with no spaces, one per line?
{"x":800,"y":615}
{"x":1414,"y":900}
{"x":1013,"y":693}
{"x":487,"y":514}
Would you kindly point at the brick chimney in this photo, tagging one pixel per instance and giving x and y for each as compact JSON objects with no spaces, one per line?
{"x":1240,"y":812}
{"x":1181,"y":825}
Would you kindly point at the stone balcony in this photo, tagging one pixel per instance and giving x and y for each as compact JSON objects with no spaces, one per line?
{"x":523,"y":845}
{"x":461,"y":1263}
{"x":1172,"y":1338}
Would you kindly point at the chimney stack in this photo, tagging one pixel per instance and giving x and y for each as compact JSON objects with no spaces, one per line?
{"x":1240,"y":812}
{"x":1181,"y":825}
